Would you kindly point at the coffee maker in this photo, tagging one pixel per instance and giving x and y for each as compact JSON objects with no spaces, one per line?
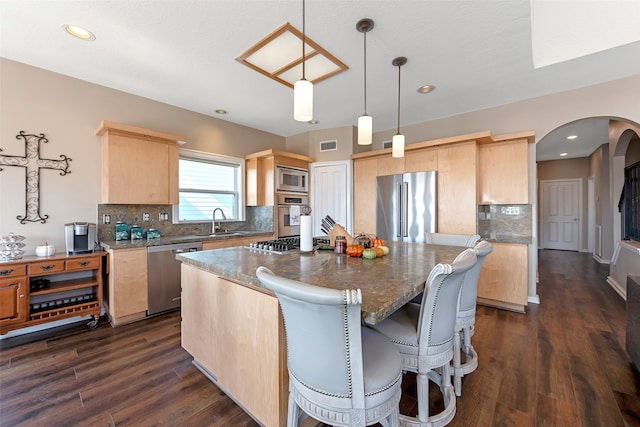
{"x":80,"y":237}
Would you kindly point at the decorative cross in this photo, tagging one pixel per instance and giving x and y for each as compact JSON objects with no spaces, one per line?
{"x":32,"y":163}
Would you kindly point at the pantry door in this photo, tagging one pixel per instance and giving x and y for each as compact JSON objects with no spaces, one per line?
{"x":331,"y":194}
{"x":561,"y":215}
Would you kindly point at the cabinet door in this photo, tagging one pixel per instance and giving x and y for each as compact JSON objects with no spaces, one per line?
{"x":137,"y":171}
{"x":503,"y":277}
{"x":364,"y":195}
{"x":457,"y":188}
{"x":13,"y":300}
{"x":504,"y":177}
{"x":421,"y":160}
{"x":127,"y":284}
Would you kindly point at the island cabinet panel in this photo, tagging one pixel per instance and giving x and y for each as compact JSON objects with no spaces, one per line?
{"x":503,"y":177}
{"x":457,"y":188}
{"x":503,"y":277}
{"x":235,"y":333}
{"x":364,"y":195}
{"x":139,"y":166}
{"x":421,"y":160}
{"x":127,"y":294}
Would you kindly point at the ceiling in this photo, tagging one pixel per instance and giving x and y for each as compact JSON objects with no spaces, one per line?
{"x":478,"y":54}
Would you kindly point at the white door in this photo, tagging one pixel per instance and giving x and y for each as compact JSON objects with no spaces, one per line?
{"x":331,"y":193}
{"x":561,"y":214}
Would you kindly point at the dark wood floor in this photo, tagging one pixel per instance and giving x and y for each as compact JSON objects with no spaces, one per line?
{"x":561,"y":364}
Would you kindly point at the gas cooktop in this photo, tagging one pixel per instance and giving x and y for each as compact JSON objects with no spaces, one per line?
{"x":284,"y":244}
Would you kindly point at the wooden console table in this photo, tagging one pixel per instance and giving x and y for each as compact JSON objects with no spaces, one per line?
{"x":36,"y":290}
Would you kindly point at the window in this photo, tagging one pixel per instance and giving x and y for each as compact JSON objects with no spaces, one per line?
{"x":206,"y":182}
{"x":631,"y":210}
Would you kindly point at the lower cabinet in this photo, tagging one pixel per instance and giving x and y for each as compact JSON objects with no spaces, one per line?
{"x":235,"y":333}
{"x":503,"y":277}
{"x":37,"y":290}
{"x":127,"y":288}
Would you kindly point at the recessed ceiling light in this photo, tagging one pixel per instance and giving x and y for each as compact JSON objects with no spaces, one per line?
{"x":572,"y":136}
{"x":426,"y":89}
{"x":313,"y":122}
{"x":563,"y":154}
{"x":221,"y":111}
{"x":79,"y":32}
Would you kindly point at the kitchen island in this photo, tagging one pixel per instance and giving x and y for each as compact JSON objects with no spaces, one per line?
{"x":233,"y":327}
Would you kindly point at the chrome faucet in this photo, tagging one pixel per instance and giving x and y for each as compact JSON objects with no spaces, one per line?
{"x":216,"y":226}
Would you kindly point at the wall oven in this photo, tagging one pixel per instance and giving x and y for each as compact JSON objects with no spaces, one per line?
{"x":292,"y":179}
{"x":288,"y":214}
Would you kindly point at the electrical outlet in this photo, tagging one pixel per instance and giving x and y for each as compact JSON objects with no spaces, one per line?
{"x":145,"y":217}
{"x":106,"y":218}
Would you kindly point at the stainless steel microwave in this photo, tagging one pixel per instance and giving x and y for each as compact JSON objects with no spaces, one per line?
{"x":292,"y":179}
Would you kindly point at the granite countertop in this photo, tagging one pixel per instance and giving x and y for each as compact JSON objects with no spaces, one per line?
{"x":507,"y":238}
{"x":169,"y":240}
{"x":387,"y":283}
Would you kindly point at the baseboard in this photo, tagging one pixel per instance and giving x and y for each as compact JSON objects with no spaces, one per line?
{"x":620,"y":290}
{"x":534,"y":299}
{"x":601,"y":260}
{"x":501,"y":304}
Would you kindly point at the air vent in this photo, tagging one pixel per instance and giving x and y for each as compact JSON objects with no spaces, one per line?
{"x":329,"y":145}
{"x":387,"y":144}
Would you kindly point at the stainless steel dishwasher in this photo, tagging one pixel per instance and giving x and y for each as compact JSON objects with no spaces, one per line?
{"x":164,"y":275}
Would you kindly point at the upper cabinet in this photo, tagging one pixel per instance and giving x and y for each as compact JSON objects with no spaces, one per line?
{"x":139,"y":166}
{"x":260,"y":171}
{"x":472,"y":168}
{"x":503,"y":172}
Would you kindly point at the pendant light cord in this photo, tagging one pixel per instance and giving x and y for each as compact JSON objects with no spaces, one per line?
{"x":304,"y":41}
{"x":365,"y":73}
{"x":399,"y":99}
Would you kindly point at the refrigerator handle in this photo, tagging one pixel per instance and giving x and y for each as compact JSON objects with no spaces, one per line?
{"x":399,"y":227}
{"x":405,"y":210}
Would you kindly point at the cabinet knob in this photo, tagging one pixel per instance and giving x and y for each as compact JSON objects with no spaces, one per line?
{"x":46,"y":267}
{"x":21,"y":296}
{"x":83,"y":263}
{"x":6,"y":272}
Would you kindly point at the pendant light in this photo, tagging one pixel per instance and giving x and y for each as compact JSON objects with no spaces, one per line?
{"x":303,"y":89}
{"x":397,"y":142}
{"x":365,"y":122}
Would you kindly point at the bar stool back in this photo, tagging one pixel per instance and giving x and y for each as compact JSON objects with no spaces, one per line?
{"x":424,"y":335}
{"x":339,"y":372}
{"x":466,"y":319}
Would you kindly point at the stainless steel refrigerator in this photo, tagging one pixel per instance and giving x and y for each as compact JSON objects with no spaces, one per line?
{"x":406,"y":206}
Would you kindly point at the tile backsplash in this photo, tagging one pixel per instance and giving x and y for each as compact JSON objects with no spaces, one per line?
{"x":160,"y":217}
{"x":496,"y":221}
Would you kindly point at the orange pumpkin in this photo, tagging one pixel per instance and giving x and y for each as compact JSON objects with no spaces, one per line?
{"x":377,"y":242}
{"x":355,"y":250}
{"x":379,"y":252}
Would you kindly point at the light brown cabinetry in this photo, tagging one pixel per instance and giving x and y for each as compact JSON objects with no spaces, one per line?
{"x":456,"y":166}
{"x":228,"y":243}
{"x":457,"y":188}
{"x":260,"y":173}
{"x":503,"y":172}
{"x":235,"y":333}
{"x":139,"y":166}
{"x":127,"y":290}
{"x":36,"y":290}
{"x":503,"y":277}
